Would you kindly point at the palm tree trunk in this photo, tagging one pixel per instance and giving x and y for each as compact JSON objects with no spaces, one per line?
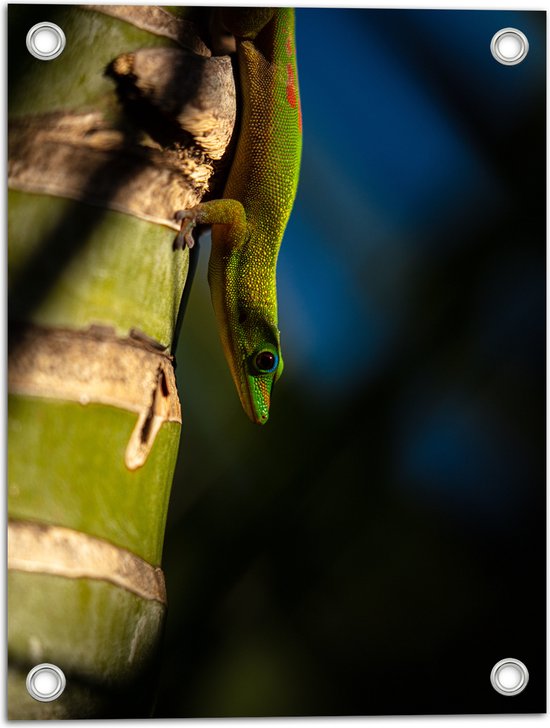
{"x":106,"y":142}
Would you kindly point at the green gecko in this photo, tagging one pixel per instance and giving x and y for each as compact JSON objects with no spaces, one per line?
{"x":250,"y":220}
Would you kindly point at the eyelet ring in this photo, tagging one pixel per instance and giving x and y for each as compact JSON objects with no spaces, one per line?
{"x":46,"y":41}
{"x":509,"y":46}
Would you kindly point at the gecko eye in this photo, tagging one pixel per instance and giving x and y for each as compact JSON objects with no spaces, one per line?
{"x":265,"y":362}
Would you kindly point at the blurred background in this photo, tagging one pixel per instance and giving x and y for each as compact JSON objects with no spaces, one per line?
{"x":379,"y":545}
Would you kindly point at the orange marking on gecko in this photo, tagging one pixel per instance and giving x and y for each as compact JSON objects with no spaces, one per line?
{"x":290,"y":86}
{"x":289,"y":48}
{"x":291,"y":95}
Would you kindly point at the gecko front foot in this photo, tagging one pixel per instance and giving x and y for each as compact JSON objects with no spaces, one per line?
{"x":185,"y":236}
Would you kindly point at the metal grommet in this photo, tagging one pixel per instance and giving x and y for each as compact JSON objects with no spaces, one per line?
{"x":45,"y":41}
{"x":509,"y":46}
{"x":509,"y":676}
{"x":46,"y":682}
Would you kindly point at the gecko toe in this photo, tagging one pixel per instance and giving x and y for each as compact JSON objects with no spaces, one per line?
{"x":185,"y":236}
{"x":179,"y":241}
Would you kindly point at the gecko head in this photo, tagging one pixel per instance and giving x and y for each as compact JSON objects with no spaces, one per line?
{"x":252,"y":346}
{"x":256,"y":364}
{"x":260,"y":371}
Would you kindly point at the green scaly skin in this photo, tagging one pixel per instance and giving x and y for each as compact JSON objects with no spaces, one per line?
{"x":250,"y":220}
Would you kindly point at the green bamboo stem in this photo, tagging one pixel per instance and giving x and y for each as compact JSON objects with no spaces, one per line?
{"x":77,"y":267}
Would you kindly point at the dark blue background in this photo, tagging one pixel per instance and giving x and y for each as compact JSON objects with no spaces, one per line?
{"x":379,"y":544}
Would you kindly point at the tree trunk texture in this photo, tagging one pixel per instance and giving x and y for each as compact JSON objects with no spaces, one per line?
{"x":106,"y":143}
